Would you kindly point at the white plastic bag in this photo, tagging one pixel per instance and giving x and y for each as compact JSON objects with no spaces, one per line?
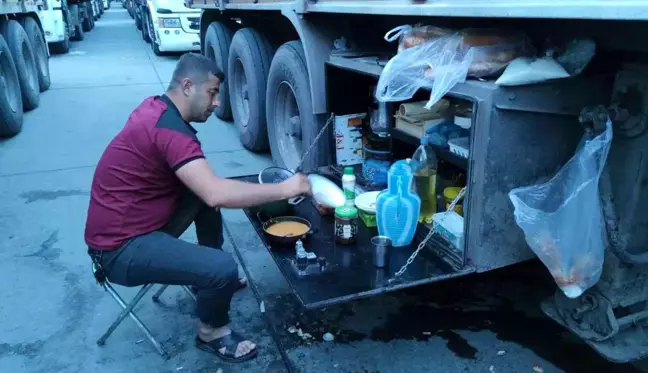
{"x":525,"y":70}
{"x":562,"y":220}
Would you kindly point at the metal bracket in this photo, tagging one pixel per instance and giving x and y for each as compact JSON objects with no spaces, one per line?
{"x":300,"y":6}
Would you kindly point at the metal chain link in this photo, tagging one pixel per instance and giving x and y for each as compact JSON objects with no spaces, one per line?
{"x":420,"y":247}
{"x":321,"y":132}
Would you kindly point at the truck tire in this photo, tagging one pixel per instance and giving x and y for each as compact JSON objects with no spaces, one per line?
{"x":154,"y":44}
{"x":39,"y":45}
{"x":146,"y":27}
{"x":247,"y":71}
{"x":218,"y":40}
{"x":292,"y":126}
{"x":23,"y":55}
{"x":138,"y":16}
{"x":63,"y":46}
{"x":86,"y":24}
{"x":76,"y":16}
{"x":11,"y":105}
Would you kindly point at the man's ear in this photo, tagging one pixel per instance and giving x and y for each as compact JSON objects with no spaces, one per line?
{"x":186,"y":85}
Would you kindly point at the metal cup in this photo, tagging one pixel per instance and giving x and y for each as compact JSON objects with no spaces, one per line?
{"x":380,"y":246}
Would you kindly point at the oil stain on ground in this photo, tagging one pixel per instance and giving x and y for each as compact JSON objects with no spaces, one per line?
{"x":505,"y":303}
{"x":50,"y":195}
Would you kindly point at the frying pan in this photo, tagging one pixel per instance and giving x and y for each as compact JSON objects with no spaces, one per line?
{"x":284,"y":240}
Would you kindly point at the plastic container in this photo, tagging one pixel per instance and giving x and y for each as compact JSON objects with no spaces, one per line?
{"x":450,"y":226}
{"x":348,"y":186}
{"x":346,"y":225}
{"x":397,"y":207}
{"x":424,"y":162}
{"x":449,"y":194}
{"x":460,"y":146}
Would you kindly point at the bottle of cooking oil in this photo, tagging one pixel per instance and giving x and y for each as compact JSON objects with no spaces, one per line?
{"x":425,"y":166}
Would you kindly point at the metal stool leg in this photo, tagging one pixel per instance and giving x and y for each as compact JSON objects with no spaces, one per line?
{"x":128,"y":311}
{"x":191,"y":293}
{"x":156,"y":296}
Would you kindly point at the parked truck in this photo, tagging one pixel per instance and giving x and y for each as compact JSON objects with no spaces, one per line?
{"x":64,"y":21}
{"x":24,"y":62}
{"x":290,"y":64}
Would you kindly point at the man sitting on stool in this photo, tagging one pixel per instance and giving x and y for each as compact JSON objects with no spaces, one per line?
{"x":152,"y":182}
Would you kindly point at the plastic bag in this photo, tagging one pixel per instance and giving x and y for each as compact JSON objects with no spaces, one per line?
{"x":443,"y":61}
{"x":438,"y":64}
{"x":525,"y":70}
{"x":562,"y":220}
{"x":411,"y":36}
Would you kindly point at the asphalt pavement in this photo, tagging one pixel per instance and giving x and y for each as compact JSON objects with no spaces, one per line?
{"x":52,"y":311}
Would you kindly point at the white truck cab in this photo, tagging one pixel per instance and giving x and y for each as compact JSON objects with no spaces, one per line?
{"x":170,"y":26}
{"x":53,"y":22}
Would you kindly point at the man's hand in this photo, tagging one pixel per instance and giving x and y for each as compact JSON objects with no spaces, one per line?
{"x":296,"y":185}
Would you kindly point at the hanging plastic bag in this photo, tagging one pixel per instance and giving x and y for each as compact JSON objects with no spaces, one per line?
{"x":562,"y":220}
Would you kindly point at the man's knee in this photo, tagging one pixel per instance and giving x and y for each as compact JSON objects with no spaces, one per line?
{"x":224,"y":272}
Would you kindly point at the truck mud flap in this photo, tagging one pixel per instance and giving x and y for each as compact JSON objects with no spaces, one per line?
{"x":337,"y":273}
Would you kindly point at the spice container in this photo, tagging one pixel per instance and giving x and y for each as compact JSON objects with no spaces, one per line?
{"x":449,"y":194}
{"x":348,"y":185}
{"x":346,"y":225}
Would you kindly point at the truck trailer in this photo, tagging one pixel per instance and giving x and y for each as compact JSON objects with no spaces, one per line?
{"x":291,"y":65}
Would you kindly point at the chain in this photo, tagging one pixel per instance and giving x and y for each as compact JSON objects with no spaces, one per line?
{"x":426,"y":239}
{"x":321,"y":132}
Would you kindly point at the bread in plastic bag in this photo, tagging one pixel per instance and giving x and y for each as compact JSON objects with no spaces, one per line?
{"x":437,"y":64}
{"x":562,"y":219}
{"x":411,"y":36}
{"x":443,"y":61}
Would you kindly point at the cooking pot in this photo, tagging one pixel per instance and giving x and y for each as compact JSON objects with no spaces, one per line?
{"x":275,"y":175}
{"x":285,"y":240}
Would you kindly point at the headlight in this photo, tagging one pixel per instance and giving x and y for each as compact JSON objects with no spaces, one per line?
{"x":170,"y":23}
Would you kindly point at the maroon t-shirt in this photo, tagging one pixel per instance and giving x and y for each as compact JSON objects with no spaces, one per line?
{"x":135,"y":189}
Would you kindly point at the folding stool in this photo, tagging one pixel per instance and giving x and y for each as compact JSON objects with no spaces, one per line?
{"x":127,"y":309}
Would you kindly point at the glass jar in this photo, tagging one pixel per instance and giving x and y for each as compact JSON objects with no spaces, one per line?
{"x":449,"y":194}
{"x":346,"y":225}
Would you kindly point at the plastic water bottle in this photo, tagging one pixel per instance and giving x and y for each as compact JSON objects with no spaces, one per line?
{"x":425,"y":172}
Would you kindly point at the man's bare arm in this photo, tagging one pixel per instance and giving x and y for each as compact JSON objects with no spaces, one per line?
{"x":198,"y":176}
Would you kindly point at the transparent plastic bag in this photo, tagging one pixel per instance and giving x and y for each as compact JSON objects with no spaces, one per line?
{"x":437,"y":64}
{"x":411,"y":36}
{"x":443,"y":61}
{"x":562,"y":220}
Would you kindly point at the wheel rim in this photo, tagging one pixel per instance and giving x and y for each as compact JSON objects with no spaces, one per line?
{"x":241,"y":96}
{"x":9,"y":83}
{"x":287,"y":126}
{"x":31,"y":66}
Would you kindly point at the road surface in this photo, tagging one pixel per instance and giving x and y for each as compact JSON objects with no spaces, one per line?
{"x":52,"y":311}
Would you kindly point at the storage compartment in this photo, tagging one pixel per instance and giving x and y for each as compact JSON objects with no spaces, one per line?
{"x":512,"y":136}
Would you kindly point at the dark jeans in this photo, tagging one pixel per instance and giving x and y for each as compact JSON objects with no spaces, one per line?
{"x":162,"y":258}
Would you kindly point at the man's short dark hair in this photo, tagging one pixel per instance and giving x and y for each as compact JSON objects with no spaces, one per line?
{"x":196,"y":68}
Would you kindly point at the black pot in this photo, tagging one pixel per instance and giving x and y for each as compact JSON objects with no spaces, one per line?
{"x":286,"y":241}
{"x":274,"y":175}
